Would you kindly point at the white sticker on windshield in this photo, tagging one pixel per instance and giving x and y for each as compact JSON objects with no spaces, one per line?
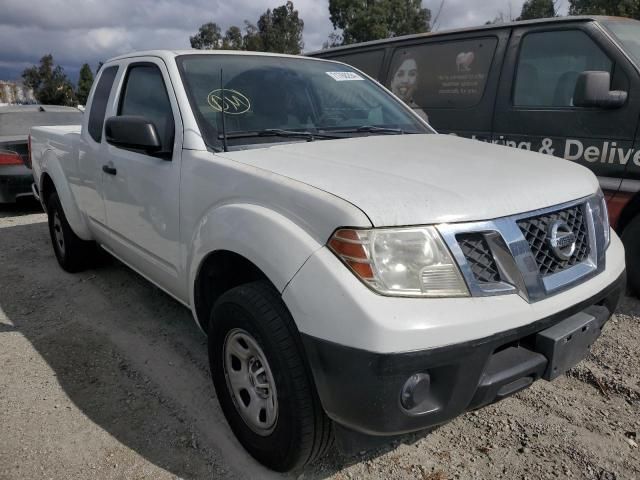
{"x":344,"y":76}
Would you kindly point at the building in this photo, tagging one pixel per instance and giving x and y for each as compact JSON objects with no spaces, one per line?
{"x":15,"y":93}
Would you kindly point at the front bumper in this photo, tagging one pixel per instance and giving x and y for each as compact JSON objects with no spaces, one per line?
{"x":361,"y":390}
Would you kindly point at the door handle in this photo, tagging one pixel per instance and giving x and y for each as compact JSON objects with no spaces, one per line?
{"x":109,"y":170}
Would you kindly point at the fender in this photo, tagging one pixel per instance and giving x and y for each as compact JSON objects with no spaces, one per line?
{"x":51,"y":166}
{"x":271,"y":241}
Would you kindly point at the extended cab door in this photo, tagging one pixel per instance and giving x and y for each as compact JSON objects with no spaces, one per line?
{"x":141,"y":190}
{"x":92,"y":153}
{"x":535,"y":105}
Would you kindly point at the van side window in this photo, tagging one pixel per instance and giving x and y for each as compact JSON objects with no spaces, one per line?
{"x":145,"y":95}
{"x":369,"y":62}
{"x":99,"y":102}
{"x":444,"y":74}
{"x":549,"y":65}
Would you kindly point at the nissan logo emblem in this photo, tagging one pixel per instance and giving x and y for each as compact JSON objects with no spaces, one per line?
{"x":562,"y":240}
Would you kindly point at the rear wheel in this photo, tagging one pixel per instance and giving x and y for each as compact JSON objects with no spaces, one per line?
{"x":631,"y":240}
{"x":263,"y":383}
{"x":73,"y":253}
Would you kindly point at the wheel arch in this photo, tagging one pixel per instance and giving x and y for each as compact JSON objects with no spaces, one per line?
{"x":47,"y":187}
{"x":240,"y":243}
{"x":219,"y":272}
{"x":53,"y":179}
{"x":629,"y":212}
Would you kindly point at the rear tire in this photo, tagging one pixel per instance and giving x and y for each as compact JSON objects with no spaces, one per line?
{"x":249,"y":326}
{"x":73,"y":253}
{"x":631,"y":240}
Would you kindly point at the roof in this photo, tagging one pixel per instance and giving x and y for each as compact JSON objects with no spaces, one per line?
{"x":479,"y":28}
{"x":170,"y":54}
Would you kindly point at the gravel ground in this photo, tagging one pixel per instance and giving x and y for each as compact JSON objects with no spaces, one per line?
{"x":104,"y":376}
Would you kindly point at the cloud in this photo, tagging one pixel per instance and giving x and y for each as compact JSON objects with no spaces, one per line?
{"x":79,"y":31}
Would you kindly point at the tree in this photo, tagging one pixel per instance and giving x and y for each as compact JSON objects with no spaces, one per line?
{"x":280,"y":30}
{"x":233,"y":39}
{"x":620,"y":8}
{"x":335,"y":40}
{"x":50,"y":84}
{"x":537,"y":9}
{"x":251,"y":40}
{"x":84,"y":84}
{"x":364,"y":20}
{"x":209,"y":37}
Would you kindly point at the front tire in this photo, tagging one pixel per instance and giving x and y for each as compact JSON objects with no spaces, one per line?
{"x":73,"y":253}
{"x":262,"y":380}
{"x":631,"y":241}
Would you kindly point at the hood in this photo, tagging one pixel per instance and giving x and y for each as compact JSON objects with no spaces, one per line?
{"x":426,"y":179}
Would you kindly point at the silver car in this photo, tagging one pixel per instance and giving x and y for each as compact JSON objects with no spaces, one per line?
{"x":15,"y":123}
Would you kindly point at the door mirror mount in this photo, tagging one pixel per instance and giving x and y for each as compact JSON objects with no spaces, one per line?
{"x":593,"y":90}
{"x":133,"y":133}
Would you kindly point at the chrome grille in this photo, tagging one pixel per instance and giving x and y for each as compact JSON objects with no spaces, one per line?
{"x":476,"y":250}
{"x":514,"y":251}
{"x":536,"y":231}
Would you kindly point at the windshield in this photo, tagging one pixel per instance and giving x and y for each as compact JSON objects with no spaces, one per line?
{"x":296,"y":97}
{"x":627,"y":32}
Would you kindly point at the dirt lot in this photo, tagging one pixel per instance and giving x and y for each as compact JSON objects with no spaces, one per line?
{"x":104,"y":376}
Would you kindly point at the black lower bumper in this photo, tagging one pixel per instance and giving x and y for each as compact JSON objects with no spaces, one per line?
{"x":13,"y":186}
{"x":363,"y":391}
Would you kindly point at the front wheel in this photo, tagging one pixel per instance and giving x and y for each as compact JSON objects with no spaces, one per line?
{"x":263,"y":383}
{"x":631,"y":241}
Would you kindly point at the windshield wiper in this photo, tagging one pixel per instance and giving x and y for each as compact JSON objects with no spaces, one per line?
{"x":372,"y":129}
{"x":278,"y":132}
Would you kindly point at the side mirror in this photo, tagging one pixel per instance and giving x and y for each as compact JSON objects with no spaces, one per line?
{"x":593,"y":90}
{"x":132,"y":132}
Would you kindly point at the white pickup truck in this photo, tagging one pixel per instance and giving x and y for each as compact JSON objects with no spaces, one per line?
{"x":356,"y":273}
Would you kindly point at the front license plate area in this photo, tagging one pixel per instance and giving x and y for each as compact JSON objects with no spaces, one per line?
{"x":567,"y":343}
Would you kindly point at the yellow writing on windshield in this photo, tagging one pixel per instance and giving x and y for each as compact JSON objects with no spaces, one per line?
{"x":234,"y":102}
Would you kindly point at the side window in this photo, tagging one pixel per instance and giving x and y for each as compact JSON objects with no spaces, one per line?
{"x":549,"y":65}
{"x":145,"y":94}
{"x":369,"y":62}
{"x":99,"y":103}
{"x":448,"y":74}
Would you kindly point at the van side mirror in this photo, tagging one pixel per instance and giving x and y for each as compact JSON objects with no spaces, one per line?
{"x":132,"y":132}
{"x":593,"y":90}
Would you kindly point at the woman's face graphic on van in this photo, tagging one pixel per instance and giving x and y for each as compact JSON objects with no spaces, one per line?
{"x":405,"y":80}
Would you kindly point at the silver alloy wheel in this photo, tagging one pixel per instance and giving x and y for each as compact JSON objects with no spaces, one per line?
{"x":58,"y":233}
{"x":250,"y":381}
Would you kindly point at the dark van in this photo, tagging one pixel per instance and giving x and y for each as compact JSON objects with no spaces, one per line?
{"x":567,"y":86}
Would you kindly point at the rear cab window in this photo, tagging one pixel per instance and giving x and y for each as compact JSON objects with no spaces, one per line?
{"x":99,"y":102}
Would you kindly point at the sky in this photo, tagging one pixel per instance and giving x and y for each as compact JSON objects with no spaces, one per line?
{"x":90,"y":31}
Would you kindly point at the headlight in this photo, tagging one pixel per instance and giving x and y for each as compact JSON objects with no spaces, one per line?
{"x":604,"y":218}
{"x":412,"y":262}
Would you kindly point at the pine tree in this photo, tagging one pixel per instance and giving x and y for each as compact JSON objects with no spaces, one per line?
{"x":84,"y":84}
